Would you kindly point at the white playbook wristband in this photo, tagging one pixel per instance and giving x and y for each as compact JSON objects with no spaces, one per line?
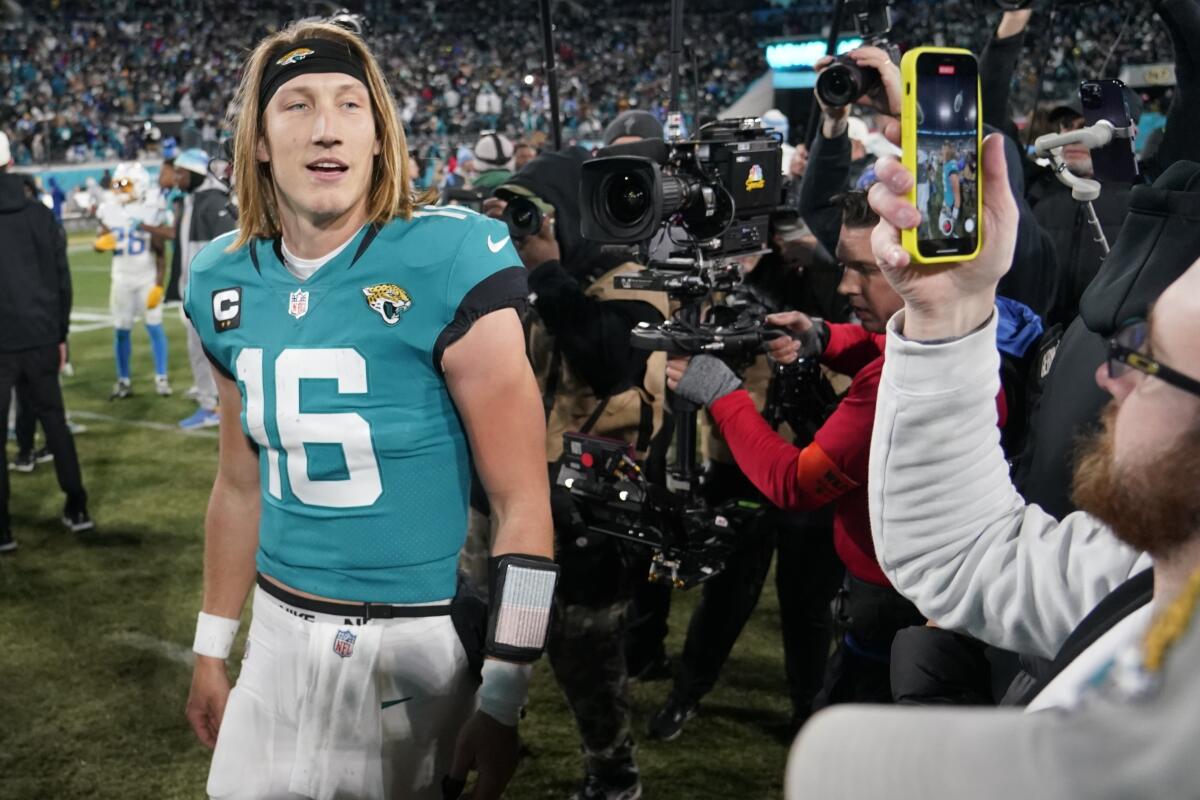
{"x":504,"y":690}
{"x":214,"y":635}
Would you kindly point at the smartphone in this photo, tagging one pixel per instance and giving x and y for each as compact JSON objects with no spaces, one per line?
{"x":941,"y":137}
{"x":1105,"y":99}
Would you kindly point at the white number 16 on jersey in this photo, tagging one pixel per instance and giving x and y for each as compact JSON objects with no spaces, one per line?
{"x":296,"y":428}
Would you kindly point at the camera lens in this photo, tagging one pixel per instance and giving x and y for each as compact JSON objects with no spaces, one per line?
{"x":840,"y":85}
{"x":626,"y":198}
{"x":522,"y":217}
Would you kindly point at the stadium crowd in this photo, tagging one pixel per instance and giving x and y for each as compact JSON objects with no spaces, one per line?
{"x":80,"y":82}
{"x":989,"y":498}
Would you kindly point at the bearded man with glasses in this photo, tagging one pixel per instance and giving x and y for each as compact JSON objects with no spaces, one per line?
{"x":955,"y":537}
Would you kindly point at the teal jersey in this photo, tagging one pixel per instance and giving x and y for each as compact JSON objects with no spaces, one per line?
{"x":363,"y":460}
{"x":950,"y":168}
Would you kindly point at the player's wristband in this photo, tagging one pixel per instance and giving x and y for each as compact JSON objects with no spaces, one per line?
{"x":504,"y":690}
{"x":521,"y":589}
{"x":214,"y":635}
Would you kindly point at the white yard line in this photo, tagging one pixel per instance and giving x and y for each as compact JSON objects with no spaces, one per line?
{"x":163,"y":427}
{"x":86,"y":320}
{"x":152,"y":644}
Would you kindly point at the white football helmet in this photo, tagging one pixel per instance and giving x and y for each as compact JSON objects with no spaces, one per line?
{"x":130,"y":182}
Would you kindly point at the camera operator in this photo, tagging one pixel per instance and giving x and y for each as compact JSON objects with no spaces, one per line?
{"x":1079,"y":255}
{"x":833,"y":162}
{"x":594,"y":382}
{"x":1067,"y":406}
{"x":807,"y":571}
{"x":1065,"y":219}
{"x":833,"y":469}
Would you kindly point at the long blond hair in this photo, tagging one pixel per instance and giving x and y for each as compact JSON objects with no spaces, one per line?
{"x":391,"y":194}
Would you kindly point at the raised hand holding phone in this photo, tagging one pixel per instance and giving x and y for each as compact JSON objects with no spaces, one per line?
{"x":948,"y":299}
{"x":942,"y":127}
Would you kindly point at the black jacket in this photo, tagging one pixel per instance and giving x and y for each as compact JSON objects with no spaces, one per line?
{"x":1159,"y":241}
{"x":1079,"y":254}
{"x":35,"y":281}
{"x":593,"y":336}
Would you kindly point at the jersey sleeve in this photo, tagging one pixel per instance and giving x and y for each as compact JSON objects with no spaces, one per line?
{"x":201,"y":299}
{"x":792,"y":479}
{"x":851,"y":347}
{"x":486,"y":275}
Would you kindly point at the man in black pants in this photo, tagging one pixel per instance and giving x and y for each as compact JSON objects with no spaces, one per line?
{"x":592,"y":382}
{"x":35,"y":310}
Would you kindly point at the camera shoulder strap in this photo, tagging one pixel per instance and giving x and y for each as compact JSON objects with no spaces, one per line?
{"x":552,"y":380}
{"x":595,"y":415}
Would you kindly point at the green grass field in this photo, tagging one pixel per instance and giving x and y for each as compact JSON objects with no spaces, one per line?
{"x":95,"y":629}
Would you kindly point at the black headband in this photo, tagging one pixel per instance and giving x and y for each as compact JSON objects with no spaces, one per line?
{"x":304,"y":57}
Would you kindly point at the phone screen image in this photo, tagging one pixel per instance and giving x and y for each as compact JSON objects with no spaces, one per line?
{"x":947,"y":154}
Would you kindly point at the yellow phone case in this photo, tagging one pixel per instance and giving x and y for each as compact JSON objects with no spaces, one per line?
{"x":908,"y":143}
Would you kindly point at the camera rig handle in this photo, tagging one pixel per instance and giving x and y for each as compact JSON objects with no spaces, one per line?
{"x":1084,"y":190}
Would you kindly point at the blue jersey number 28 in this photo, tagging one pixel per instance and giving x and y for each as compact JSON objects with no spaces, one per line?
{"x":296,"y":428}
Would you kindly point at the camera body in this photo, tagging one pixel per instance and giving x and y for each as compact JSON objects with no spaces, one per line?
{"x":721,"y":188}
{"x":719,"y":192}
{"x":691,"y":541}
{"x":843,"y":82}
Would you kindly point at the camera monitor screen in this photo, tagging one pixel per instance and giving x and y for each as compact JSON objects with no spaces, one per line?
{"x":947,"y":154}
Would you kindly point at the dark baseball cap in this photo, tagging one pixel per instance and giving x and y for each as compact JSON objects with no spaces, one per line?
{"x":642,"y":124}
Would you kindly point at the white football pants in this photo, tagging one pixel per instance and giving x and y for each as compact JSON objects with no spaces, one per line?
{"x":323,"y":709}
{"x":127,"y":303}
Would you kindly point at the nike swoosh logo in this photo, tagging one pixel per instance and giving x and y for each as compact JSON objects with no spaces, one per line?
{"x":390,"y":703}
{"x":496,"y":247}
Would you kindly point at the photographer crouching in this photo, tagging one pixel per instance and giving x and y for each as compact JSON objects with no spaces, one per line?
{"x":593,"y":382}
{"x":833,"y":468}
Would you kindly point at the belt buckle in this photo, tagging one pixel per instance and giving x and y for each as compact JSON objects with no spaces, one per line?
{"x":377,"y":611}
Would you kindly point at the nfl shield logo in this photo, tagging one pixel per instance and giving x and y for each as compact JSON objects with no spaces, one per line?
{"x":298,"y":306}
{"x":343,"y":644}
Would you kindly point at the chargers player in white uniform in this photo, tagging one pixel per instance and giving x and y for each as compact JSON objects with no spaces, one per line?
{"x":367,"y":352}
{"x":137,"y":272}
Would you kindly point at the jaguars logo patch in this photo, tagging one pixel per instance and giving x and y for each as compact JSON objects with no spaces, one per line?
{"x":293,"y":56}
{"x":388,"y":300}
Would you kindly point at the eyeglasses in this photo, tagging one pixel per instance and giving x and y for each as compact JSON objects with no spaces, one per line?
{"x":1125,"y":353}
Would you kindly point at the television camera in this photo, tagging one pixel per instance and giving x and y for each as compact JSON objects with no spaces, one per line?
{"x":712,"y":198}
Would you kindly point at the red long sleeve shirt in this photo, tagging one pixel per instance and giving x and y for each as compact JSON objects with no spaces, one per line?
{"x":834,"y":466}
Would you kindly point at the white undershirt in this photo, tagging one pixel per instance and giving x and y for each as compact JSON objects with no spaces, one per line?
{"x":303,"y":268}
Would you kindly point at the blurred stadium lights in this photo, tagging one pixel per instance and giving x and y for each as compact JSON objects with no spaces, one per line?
{"x":793,"y":54}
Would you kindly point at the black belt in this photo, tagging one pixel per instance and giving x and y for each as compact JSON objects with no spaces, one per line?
{"x":364,"y":611}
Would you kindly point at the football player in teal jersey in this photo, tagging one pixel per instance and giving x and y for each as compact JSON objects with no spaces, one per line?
{"x":368,"y":352}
